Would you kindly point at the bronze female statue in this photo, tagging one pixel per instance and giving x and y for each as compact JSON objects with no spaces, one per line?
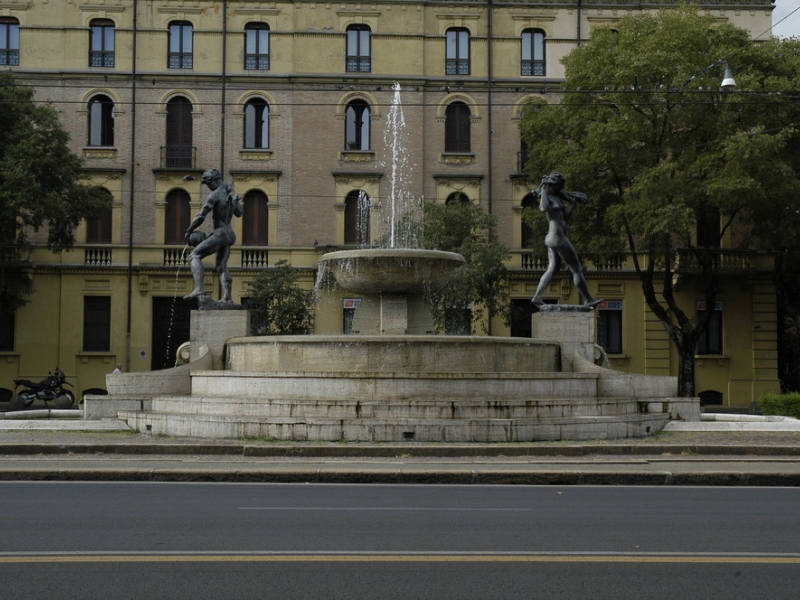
{"x":558,"y":205}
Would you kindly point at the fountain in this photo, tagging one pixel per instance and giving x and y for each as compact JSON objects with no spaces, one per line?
{"x":394,"y":381}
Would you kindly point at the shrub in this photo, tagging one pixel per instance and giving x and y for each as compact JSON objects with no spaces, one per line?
{"x":785,"y":405}
{"x":278,"y":305}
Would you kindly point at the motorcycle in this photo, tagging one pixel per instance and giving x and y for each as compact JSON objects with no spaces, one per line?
{"x":50,"y":388}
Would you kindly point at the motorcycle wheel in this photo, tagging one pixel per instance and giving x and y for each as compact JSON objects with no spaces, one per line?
{"x":16,"y":403}
{"x":65,"y":399}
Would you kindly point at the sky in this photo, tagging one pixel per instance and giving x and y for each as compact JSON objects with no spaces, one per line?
{"x":791,"y":26}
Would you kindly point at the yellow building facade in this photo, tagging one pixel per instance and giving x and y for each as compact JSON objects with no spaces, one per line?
{"x":290,"y":100}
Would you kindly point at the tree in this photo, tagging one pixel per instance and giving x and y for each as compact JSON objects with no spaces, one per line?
{"x":464,"y":228}
{"x":278,"y":305}
{"x":39,"y":185}
{"x":644,"y":129}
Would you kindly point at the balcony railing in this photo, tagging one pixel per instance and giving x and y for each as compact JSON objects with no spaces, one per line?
{"x":531,"y":260}
{"x":356,"y":64}
{"x":9,"y":253}
{"x":456,"y":66}
{"x":175,"y":256}
{"x":255,"y":259}
{"x":724,"y":260}
{"x":181,"y":157}
{"x":256,"y":62}
{"x":96,"y":256}
{"x":687,"y":260}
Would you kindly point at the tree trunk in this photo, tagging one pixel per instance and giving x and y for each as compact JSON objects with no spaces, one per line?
{"x":686,"y":372}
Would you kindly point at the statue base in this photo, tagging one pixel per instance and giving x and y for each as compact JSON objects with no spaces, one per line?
{"x":213,"y":329}
{"x":573,"y":326}
{"x":208,"y":303}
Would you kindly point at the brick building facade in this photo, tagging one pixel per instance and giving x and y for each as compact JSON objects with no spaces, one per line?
{"x":290,"y":101}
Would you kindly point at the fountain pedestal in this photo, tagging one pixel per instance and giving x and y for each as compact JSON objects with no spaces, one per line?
{"x":392,"y":314}
{"x":391,"y":283}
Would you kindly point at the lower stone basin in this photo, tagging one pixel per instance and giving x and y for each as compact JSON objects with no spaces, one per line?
{"x":391,"y":270}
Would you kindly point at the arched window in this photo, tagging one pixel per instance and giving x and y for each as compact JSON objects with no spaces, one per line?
{"x":358,"y":49}
{"x":528,"y":236}
{"x":356,"y":132}
{"x":532,"y":54}
{"x":101,"y":121}
{"x":101,"y":43}
{"x":255,"y":221}
{"x":179,"y":133}
{"x":457,"y":128}
{"x":256,"y":124}
{"x":457,"y":53}
{"x":256,"y":47}
{"x":98,"y":231}
{"x":457,"y":198}
{"x":178,"y":217}
{"x":9,"y":42}
{"x":356,"y":218}
{"x":180,"y":45}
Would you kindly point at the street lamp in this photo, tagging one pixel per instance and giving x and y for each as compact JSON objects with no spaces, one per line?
{"x":728,"y":83}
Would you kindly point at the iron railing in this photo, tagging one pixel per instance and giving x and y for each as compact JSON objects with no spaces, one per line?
{"x":182,"y":157}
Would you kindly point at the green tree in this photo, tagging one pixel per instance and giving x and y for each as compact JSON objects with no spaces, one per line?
{"x":482,"y":282}
{"x":645,"y":130}
{"x":278,"y":306}
{"x":39,"y":185}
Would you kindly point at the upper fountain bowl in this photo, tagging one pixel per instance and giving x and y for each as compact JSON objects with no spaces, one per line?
{"x":392,"y":270}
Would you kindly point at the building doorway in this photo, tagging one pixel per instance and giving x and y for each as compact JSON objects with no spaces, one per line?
{"x":170,"y":329}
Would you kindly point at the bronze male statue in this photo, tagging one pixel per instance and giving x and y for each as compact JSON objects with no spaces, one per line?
{"x":223,"y":204}
{"x":558,"y":206}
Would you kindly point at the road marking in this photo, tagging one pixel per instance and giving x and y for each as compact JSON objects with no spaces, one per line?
{"x":389,"y":508}
{"x":37,"y":558}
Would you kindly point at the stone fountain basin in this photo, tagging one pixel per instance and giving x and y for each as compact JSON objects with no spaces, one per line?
{"x":355,"y":355}
{"x":392,"y":270}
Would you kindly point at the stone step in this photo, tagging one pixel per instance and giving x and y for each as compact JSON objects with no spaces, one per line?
{"x":392,"y":430}
{"x":416,"y":408}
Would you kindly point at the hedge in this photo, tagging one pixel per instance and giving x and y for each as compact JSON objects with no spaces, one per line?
{"x":786,"y":405}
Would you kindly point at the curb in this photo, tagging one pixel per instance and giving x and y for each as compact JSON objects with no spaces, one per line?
{"x":379,"y":451}
{"x":455,"y":477}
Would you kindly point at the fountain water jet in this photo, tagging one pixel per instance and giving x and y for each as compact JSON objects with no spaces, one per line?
{"x":393,"y":280}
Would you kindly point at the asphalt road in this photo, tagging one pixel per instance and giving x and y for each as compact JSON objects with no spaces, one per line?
{"x":167,"y":540}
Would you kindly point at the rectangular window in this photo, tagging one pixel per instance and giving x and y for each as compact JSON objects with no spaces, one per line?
{"x":9,"y":42}
{"x":457,"y":58}
{"x":711,"y":340}
{"x":7,"y":322}
{"x":180,"y":45}
{"x":256,"y":47}
{"x":96,"y":323}
{"x":609,"y":326}
{"x":101,"y":53}
{"x":532,"y":52}
{"x":358,"y":49}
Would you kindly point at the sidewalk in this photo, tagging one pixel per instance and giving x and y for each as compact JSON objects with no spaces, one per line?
{"x":738,"y":454}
